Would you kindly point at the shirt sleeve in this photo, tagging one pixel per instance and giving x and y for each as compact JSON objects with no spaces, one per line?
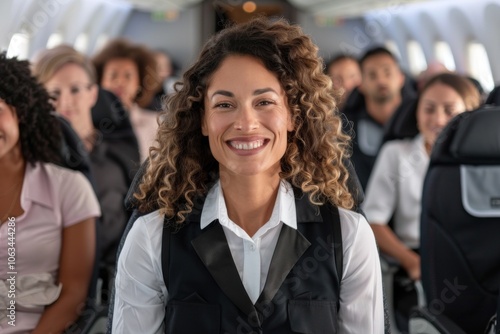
{"x":381,"y":191}
{"x":78,"y":199}
{"x":361,"y":296}
{"x":140,"y":292}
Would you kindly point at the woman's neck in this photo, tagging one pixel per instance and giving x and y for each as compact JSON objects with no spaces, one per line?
{"x":12,"y":167}
{"x":250,"y":200}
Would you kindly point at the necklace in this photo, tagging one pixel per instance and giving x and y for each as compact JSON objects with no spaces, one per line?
{"x":18,"y":191}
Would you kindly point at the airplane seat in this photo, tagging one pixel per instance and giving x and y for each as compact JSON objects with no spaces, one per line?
{"x":111,"y":119}
{"x":460,"y":227}
{"x":494,"y":97}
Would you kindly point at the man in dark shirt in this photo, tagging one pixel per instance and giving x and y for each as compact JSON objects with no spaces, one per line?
{"x":370,"y":109}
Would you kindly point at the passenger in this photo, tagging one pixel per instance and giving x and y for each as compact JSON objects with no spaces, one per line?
{"x":70,"y":79}
{"x":47,"y":212}
{"x":166,"y":75}
{"x":246,"y":164}
{"x":395,"y":187}
{"x":345,"y":73}
{"x":129,"y":71}
{"x":381,"y":95}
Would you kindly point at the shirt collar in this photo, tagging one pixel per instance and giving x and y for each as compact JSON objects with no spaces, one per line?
{"x":36,"y":186}
{"x":284,"y":208}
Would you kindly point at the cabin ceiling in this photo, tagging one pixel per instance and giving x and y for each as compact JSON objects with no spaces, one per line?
{"x":333,"y":8}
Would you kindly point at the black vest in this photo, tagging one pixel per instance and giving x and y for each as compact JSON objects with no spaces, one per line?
{"x":301,"y":293}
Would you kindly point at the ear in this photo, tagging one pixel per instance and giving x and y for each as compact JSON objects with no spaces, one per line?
{"x":204,"y":130}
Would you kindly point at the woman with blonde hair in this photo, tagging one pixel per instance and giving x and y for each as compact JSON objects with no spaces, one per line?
{"x":70,"y":79}
{"x":247,"y":201}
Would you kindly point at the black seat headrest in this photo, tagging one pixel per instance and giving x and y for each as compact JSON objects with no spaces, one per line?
{"x":478,"y":137}
{"x":470,"y":138}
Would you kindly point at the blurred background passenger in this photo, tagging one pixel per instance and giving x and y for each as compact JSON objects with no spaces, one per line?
{"x":53,"y":210}
{"x":129,"y":71}
{"x":345,"y":73}
{"x":70,"y":79}
{"x":166,"y":75}
{"x":382,"y":95}
{"x":395,"y":187}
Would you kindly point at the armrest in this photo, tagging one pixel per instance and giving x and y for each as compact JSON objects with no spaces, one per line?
{"x":422,"y":321}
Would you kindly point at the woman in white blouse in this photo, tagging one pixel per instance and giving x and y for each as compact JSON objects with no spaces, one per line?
{"x":394,"y":189}
{"x":248,"y":176}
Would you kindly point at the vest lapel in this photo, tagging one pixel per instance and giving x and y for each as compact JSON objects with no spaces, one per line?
{"x":213,"y":250}
{"x":290,"y":247}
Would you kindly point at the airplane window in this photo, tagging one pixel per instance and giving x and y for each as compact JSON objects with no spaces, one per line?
{"x":101,"y":41}
{"x":18,"y":46}
{"x":82,"y":43}
{"x":416,"y":57}
{"x":479,"y":65}
{"x":393,"y":47}
{"x":54,"y":40}
{"x":444,"y":55}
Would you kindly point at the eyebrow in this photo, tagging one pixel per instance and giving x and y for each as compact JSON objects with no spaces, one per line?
{"x":255,"y":92}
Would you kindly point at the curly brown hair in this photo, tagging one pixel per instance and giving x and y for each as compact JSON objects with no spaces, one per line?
{"x":182,"y":167}
{"x":141,"y":56}
{"x":40,"y":132}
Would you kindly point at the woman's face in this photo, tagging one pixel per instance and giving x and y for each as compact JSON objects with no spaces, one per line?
{"x":74,"y":95}
{"x":438,"y":104}
{"x":121,"y":76}
{"x":246,"y":117}
{"x":9,"y":130}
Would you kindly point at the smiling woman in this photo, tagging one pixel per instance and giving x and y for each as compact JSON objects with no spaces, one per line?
{"x":249,"y":175}
{"x":54,"y":210}
{"x":246,"y":118}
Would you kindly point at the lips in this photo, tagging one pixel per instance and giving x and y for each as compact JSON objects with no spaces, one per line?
{"x":246,"y":145}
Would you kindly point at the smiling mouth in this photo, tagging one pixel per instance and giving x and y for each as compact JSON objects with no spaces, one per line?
{"x":251,"y":145}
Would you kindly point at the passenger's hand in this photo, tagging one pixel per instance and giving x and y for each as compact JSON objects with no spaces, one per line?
{"x":412,"y":265}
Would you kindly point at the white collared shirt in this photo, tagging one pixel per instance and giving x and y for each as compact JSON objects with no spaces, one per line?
{"x":252,"y":255}
{"x":141,"y":293}
{"x":395,"y":188}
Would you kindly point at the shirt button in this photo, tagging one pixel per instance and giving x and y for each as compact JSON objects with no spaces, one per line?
{"x":252,"y":247}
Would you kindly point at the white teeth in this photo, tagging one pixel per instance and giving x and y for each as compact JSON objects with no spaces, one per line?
{"x":247,"y":145}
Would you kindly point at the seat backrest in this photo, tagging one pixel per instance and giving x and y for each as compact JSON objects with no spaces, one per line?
{"x":460,"y":222}
{"x":494,"y":96}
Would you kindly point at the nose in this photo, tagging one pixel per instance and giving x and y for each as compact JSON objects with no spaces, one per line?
{"x":246,"y":119}
{"x":63,"y":101}
{"x":441,"y":119}
{"x":381,"y":80}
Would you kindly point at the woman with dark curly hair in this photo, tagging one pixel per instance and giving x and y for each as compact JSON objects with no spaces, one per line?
{"x":252,"y":230}
{"x":129,"y":71}
{"x":47,"y":213}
